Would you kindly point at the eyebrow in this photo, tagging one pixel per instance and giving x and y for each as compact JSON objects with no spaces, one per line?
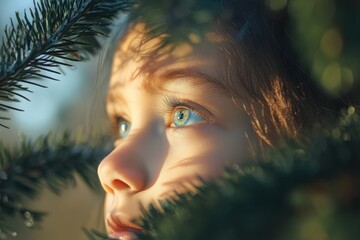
{"x":190,"y":74}
{"x":158,"y":81}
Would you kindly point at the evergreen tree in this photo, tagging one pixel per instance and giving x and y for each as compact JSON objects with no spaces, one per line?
{"x":305,"y":190}
{"x":49,"y":36}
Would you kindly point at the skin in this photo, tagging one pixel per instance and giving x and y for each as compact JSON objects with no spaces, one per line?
{"x":157,"y":157}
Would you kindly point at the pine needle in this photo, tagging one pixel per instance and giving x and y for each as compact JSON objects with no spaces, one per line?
{"x":49,"y":35}
{"x":50,"y":162}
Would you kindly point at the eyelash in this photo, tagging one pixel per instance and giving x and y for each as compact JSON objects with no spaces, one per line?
{"x":114,"y":119}
{"x":172,"y":102}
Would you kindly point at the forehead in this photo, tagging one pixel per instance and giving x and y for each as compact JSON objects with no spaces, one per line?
{"x":137,"y":55}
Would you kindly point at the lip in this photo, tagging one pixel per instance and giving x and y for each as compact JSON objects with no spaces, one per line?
{"x":120,"y":228}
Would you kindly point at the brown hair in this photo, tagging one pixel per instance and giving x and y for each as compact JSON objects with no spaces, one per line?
{"x":258,"y":71}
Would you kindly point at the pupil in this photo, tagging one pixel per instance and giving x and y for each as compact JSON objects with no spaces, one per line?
{"x":181,"y":115}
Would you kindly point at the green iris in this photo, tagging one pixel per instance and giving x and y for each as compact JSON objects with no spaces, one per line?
{"x":185,"y":116}
{"x":124,"y":128}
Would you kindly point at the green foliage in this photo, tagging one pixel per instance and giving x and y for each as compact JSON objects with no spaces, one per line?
{"x":303,"y":191}
{"x":50,"y":162}
{"x":177,"y":22}
{"x":324,"y":33}
{"x":326,"y":37}
{"x":50,"y":35}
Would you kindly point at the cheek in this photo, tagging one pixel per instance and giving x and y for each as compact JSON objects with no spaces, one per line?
{"x":204,"y":151}
{"x":109,"y":199}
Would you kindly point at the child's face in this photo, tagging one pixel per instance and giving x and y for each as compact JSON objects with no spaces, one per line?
{"x":170,"y":131}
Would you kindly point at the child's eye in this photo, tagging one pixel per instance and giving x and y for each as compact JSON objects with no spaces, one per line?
{"x":124,"y":128}
{"x":184,"y":116}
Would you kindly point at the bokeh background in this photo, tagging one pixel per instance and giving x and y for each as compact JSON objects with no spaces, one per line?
{"x":324,"y":33}
{"x":75,"y":103}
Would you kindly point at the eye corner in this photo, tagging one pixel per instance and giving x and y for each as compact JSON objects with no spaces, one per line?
{"x":119,"y":125}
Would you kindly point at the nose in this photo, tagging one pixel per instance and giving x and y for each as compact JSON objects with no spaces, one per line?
{"x":127,"y":167}
{"x":119,"y":171}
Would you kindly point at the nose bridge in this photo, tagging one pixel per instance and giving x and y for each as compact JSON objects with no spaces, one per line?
{"x":135,"y":162}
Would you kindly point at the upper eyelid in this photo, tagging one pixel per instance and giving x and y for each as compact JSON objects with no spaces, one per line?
{"x":172,"y":102}
{"x":115,"y":116}
{"x":194,"y":110}
{"x":114,"y":100}
{"x":113,"y":111}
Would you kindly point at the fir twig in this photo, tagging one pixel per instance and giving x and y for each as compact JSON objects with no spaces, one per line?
{"x":48,"y":36}
{"x":315,"y":183}
{"x":49,"y":163}
{"x":302,"y":184}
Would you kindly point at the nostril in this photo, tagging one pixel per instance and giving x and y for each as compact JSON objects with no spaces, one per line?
{"x":119,"y":185}
{"x":108,"y":189}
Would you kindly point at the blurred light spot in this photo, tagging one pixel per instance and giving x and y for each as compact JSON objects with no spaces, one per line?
{"x":202,"y":16}
{"x":351,"y":110}
{"x":194,"y":38}
{"x":331,"y":78}
{"x":336,"y":133}
{"x":347,"y":77}
{"x":331,"y":43}
{"x":277,"y":5}
{"x":182,"y":50}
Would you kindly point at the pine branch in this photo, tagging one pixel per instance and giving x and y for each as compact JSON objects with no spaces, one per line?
{"x":304,"y":183}
{"x":49,"y":163}
{"x":315,"y":184}
{"x":52,"y":34}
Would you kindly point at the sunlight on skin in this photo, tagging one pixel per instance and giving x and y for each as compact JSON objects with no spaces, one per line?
{"x":156,"y":157}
